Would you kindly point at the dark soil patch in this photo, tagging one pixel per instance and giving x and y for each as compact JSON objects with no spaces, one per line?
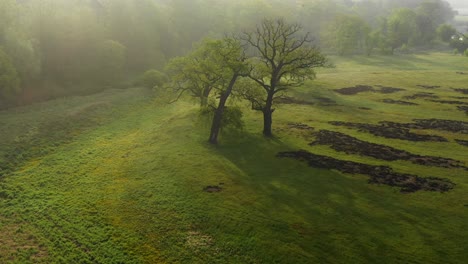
{"x":462,"y":73}
{"x":390,"y":130}
{"x":366,"y":88}
{"x":391,"y":101}
{"x":292,"y":100}
{"x":212,"y":189}
{"x":351,"y":145}
{"x":428,"y":86}
{"x":325,"y":101}
{"x":463,"y":108}
{"x":461,"y":90}
{"x":421,"y":95}
{"x":365,"y":108}
{"x":300,"y":126}
{"x":462,"y":142}
{"x":389,"y":90}
{"x":378,"y":174}
{"x":460,"y":97}
{"x":354,"y":90}
{"x":438,"y":124}
{"x":449,"y":102}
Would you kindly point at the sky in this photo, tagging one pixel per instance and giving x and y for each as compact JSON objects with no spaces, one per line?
{"x":458,"y":3}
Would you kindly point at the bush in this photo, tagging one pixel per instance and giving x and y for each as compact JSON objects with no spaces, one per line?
{"x":232,"y":117}
{"x":445,"y":32}
{"x":153,"y":78}
{"x":466,"y":53}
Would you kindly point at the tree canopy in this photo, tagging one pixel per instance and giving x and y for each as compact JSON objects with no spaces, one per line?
{"x":82,"y":46}
{"x":282,"y":58}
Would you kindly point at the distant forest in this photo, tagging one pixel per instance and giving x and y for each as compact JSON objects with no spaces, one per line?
{"x":53,"y":48}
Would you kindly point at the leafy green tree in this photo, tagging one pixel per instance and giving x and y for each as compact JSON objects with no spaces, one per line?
{"x":348,"y":34}
{"x":229,"y":62}
{"x":153,"y":78}
{"x":459,"y":42}
{"x":445,"y":32}
{"x":213,"y":65}
{"x":9,"y":81}
{"x":187,"y":77}
{"x":111,"y":61}
{"x":429,"y":15}
{"x":283,"y":59}
{"x":401,"y":28}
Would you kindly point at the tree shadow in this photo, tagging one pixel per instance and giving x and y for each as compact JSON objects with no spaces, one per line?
{"x":317,"y":203}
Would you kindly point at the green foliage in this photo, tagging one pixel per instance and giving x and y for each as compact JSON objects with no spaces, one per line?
{"x":75,"y":46}
{"x":402,"y":28}
{"x":466,"y":53}
{"x":445,"y":32}
{"x":129,"y":187}
{"x":9,"y":80}
{"x":459,"y":42}
{"x":111,"y":61}
{"x":348,"y":35}
{"x":153,"y":79}
{"x":208,"y":67}
{"x":232,"y":117}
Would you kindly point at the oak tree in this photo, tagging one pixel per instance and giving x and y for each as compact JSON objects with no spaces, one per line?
{"x":283,"y":58}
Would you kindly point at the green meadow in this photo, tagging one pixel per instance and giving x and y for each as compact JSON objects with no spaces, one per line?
{"x":118,"y":177}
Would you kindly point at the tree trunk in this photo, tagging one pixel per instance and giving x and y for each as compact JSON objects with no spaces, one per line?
{"x":204,"y":96}
{"x":203,"y":101}
{"x":268,"y":116}
{"x":218,"y":116}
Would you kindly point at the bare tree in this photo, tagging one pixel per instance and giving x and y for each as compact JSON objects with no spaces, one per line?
{"x":283,"y":58}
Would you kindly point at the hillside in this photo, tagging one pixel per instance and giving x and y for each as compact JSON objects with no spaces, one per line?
{"x":123,"y":177}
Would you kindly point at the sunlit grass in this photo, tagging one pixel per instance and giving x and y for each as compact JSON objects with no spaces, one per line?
{"x":123,"y":182}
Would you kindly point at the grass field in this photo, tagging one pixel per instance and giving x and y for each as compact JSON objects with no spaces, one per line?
{"x":118,"y":177}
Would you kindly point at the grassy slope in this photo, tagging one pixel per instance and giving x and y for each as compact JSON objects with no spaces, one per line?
{"x":127,"y":188}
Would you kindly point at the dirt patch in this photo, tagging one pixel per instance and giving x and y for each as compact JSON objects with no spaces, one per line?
{"x":212,"y":189}
{"x":428,"y":86}
{"x":390,"y":130}
{"x":378,"y":174}
{"x":300,"y":126}
{"x":449,"y":102}
{"x":399,"y":102}
{"x":325,"y":101}
{"x":366,"y":88}
{"x":463,"y":108}
{"x":351,"y":145}
{"x":461,"y":90}
{"x":437,"y":124}
{"x":460,"y":97}
{"x":292,"y":100}
{"x":365,"y":108}
{"x":354,"y":90}
{"x":462,"y":73}
{"x":421,"y":95}
{"x":389,"y":90}
{"x":462,"y":142}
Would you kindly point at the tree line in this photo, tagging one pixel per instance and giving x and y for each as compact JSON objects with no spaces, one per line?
{"x":52,"y":48}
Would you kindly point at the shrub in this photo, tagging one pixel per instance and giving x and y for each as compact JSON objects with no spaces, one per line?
{"x":445,"y":32}
{"x":232,"y":117}
{"x":153,"y":78}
